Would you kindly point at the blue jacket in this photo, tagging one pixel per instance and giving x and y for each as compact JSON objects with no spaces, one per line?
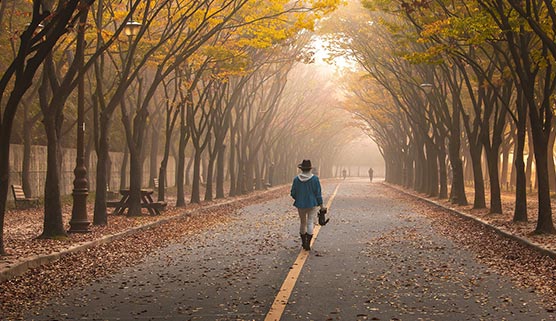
{"x":306,"y":194}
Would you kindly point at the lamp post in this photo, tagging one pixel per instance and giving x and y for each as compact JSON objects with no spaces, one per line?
{"x":79,"y":222}
{"x":131,"y":28}
{"x":427,"y":87}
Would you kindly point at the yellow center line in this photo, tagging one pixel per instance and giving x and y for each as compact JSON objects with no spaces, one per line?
{"x":281,"y":300}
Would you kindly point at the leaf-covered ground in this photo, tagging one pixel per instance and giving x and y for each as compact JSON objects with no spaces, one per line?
{"x":40,"y":284}
{"x":504,"y":220}
{"x":525,"y":266}
{"x":383,"y":256}
{"x":23,"y":226}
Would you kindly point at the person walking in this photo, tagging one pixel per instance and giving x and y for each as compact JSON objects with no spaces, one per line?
{"x":306,"y":191}
{"x":371,"y":174}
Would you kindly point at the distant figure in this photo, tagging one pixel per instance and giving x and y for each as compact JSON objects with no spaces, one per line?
{"x":371,"y":174}
{"x":306,"y":191}
{"x":344,"y":173}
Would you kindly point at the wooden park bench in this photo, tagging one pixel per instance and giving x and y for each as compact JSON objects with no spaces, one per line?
{"x":147,"y":202}
{"x":155,"y":206}
{"x":21,"y":201}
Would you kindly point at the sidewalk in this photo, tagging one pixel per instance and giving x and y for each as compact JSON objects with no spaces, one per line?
{"x":501,"y":223}
{"x":25,"y":251}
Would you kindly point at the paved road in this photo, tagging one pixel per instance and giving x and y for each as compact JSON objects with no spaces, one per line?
{"x":376,"y":260}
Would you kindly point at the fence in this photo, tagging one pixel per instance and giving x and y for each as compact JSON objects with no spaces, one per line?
{"x":38,"y":169}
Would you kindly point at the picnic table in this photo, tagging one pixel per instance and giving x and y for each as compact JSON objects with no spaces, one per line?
{"x":147,"y":202}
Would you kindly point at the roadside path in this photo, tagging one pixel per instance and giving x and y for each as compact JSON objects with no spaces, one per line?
{"x":377,"y":259}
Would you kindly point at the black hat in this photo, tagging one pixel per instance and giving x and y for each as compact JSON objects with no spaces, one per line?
{"x":305,"y":165}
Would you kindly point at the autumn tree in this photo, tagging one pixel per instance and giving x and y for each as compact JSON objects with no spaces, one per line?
{"x":34,"y":47}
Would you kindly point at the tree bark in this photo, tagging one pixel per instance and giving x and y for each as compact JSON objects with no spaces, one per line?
{"x":180,"y":173}
{"x":100,"y":213}
{"x":135,"y":181}
{"x":210,"y":173}
{"x":432,"y":162}
{"x":232,"y":164}
{"x":520,"y":212}
{"x":220,"y":172}
{"x":545,"y":224}
{"x":550,"y":159}
{"x":26,"y":164}
{"x":195,"y":188}
{"x":457,"y":193}
{"x":53,"y":225}
{"x":505,"y":167}
{"x":123,"y":169}
{"x":495,"y":198}
{"x":153,"y":171}
{"x":443,"y":179}
{"x":476,"y":163}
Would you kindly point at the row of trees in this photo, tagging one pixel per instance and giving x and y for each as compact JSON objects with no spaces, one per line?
{"x":208,"y":79}
{"x":444,"y":82}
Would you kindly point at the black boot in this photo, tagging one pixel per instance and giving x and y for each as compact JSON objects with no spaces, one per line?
{"x":308,"y":238}
{"x":303,"y":240}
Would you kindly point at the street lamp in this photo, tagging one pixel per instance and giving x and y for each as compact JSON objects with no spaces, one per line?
{"x":79,"y":222}
{"x":427,"y":87}
{"x":132,"y":28}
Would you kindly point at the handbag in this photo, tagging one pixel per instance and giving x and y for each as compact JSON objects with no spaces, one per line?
{"x":322,"y":216}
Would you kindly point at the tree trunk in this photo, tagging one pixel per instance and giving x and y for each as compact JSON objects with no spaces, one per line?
{"x":164,"y":164}
{"x":443,"y":179}
{"x":232,"y":166}
{"x":505,"y":165}
{"x":520,"y":212}
{"x":544,"y":223}
{"x":135,"y":182}
{"x":26,"y":164}
{"x":409,"y":173}
{"x":180,"y":172}
{"x":210,"y":171}
{"x":529,"y":167}
{"x":259,"y":174}
{"x":457,"y":193}
{"x":100,"y":216}
{"x":432,"y":181}
{"x":188,"y":172}
{"x":135,"y":139}
{"x":195,"y":188}
{"x":550,"y":160}
{"x":123,"y":169}
{"x":478,"y":180}
{"x":153,"y":171}
{"x":220,"y":172}
{"x":421,"y":170}
{"x":53,"y":223}
{"x":495,"y":198}
{"x":163,"y":169}
{"x":204,"y":168}
{"x":5,"y":133}
{"x":162,"y":179}
{"x":249,"y":177}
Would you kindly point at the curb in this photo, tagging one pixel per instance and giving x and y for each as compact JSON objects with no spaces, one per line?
{"x":36,"y":261}
{"x":523,"y":241}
